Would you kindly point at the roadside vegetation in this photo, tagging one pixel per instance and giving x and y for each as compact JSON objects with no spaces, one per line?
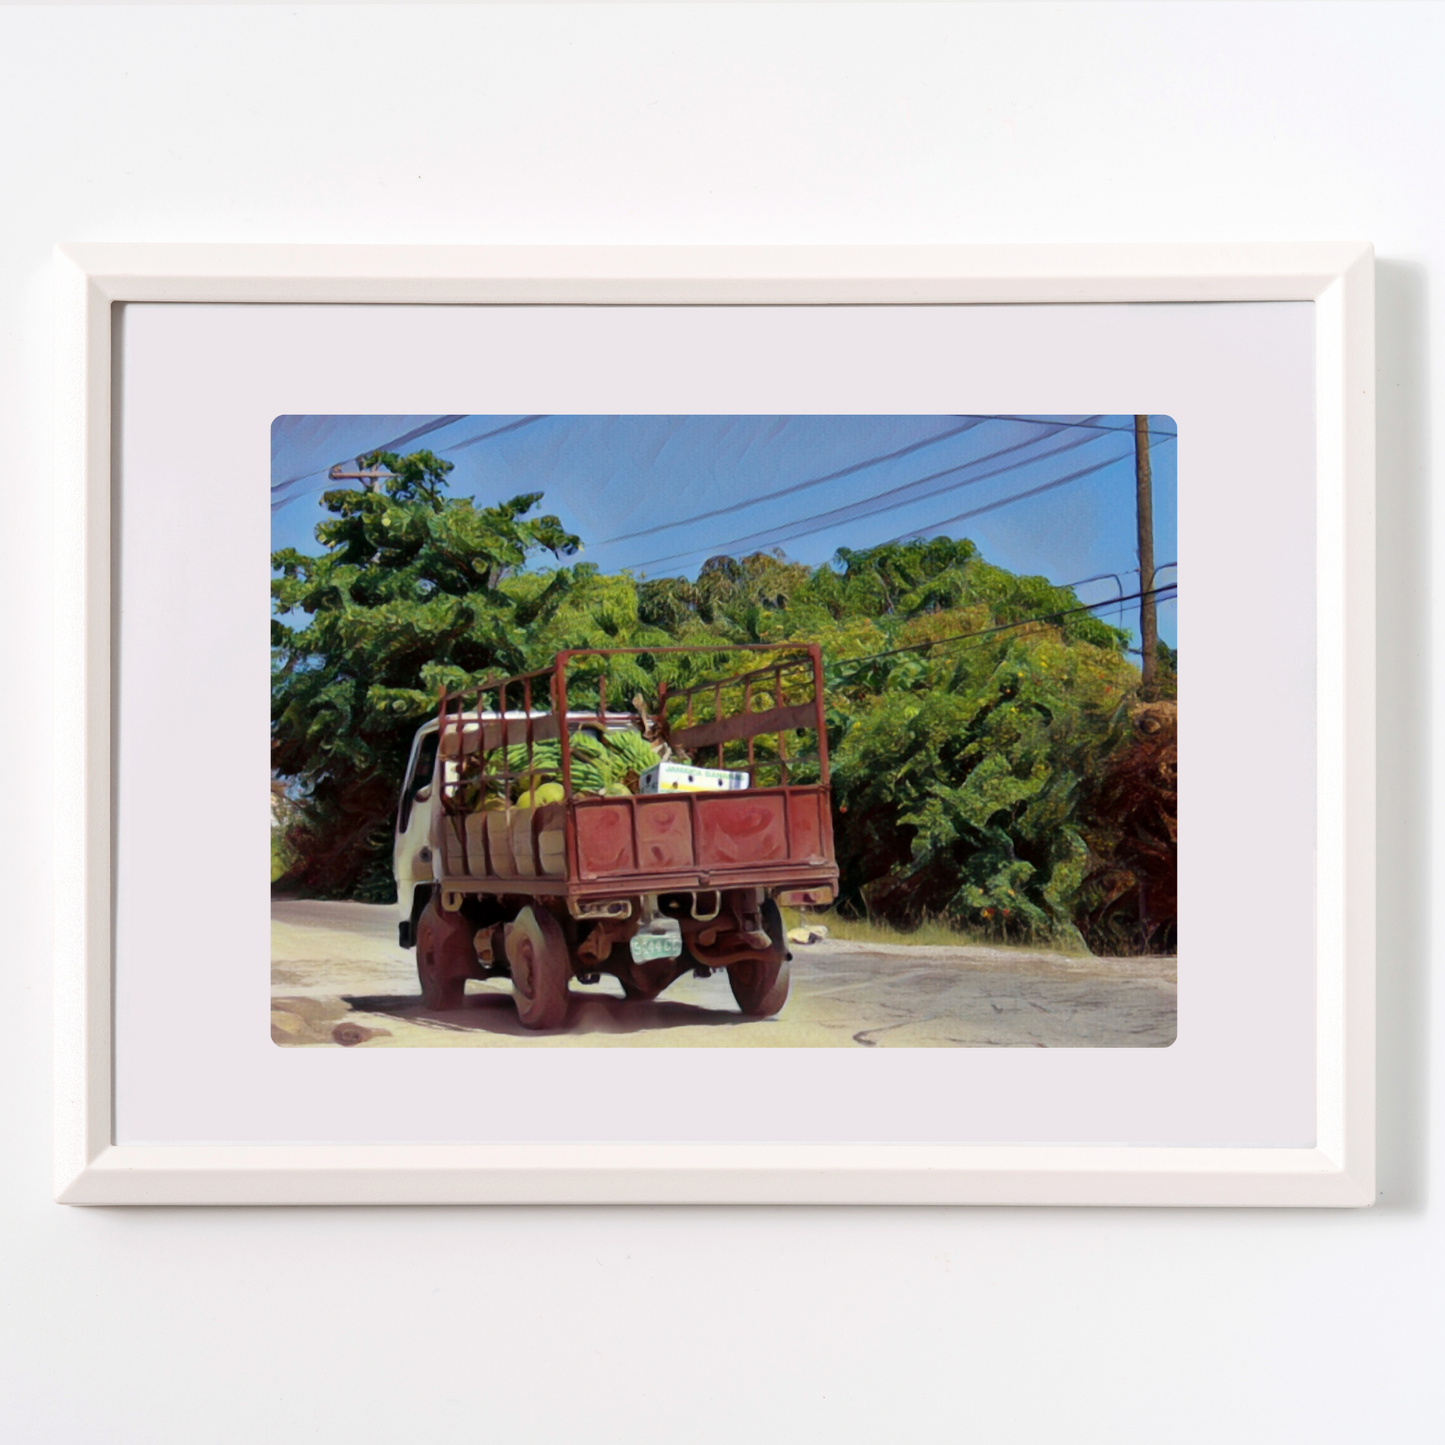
{"x":1006,"y":783}
{"x":284,"y":818}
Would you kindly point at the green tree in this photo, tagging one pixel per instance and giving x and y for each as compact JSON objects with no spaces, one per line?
{"x":959,"y":767}
{"x":409,"y":594}
{"x":958,"y":782}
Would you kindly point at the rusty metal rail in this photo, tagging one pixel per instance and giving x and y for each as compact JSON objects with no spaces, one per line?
{"x":492,"y":731}
{"x":769,"y":835}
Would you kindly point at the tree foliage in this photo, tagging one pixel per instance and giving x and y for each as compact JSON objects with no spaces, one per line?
{"x":988,"y":764}
{"x":408,"y":595}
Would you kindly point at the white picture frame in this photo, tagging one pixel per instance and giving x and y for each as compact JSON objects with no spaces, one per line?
{"x":1338,"y":1169}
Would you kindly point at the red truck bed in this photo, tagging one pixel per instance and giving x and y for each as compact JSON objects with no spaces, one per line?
{"x":775,"y":835}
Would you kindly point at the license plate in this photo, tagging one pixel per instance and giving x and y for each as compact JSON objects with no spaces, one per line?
{"x":647,"y":946}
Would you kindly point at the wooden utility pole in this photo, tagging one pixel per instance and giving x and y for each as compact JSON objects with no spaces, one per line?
{"x":370,"y":478}
{"x":1148,"y":620}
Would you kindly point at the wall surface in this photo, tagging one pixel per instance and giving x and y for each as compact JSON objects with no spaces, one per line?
{"x":659,"y":123}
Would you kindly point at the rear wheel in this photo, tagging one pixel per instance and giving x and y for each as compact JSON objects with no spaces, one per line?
{"x":541,"y":968}
{"x":445,"y":958}
{"x":760,"y":986}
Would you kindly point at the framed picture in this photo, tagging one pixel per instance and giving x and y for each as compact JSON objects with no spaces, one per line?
{"x":730,"y":734}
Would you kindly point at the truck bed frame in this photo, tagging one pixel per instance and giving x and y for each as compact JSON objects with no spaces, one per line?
{"x":776,"y":837}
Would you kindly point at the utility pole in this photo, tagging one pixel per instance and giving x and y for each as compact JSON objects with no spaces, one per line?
{"x":336,"y":474}
{"x":1148,"y":621}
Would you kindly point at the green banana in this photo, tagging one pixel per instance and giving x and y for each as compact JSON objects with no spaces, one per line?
{"x":599,"y":764}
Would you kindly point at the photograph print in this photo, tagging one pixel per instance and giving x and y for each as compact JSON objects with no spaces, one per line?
{"x":724,"y":731}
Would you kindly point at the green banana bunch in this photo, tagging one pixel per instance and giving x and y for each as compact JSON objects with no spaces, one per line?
{"x":632,"y":751}
{"x":610,"y":763}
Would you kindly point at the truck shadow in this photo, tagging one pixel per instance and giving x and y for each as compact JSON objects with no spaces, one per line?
{"x":495,"y":1013}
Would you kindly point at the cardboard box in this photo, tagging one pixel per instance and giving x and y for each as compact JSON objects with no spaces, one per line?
{"x":674,"y":777}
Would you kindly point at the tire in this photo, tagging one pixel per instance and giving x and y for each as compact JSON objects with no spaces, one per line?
{"x":541,"y":968}
{"x":761,"y":985}
{"x":445,"y":958}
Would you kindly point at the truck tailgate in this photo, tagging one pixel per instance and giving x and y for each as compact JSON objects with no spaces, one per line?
{"x":664,"y":833}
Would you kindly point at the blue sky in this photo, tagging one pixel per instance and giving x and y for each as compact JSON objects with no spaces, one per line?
{"x":1045,"y":495}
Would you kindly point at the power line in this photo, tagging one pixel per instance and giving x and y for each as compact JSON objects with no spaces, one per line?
{"x":415,"y":432}
{"x":1118,"y":585}
{"x":799,"y":486}
{"x":495,"y":432}
{"x":1091,"y":425}
{"x":436,"y":424}
{"x":1111,"y":576}
{"x":868,"y":506}
{"x":974,"y":418}
{"x":1010,"y":500}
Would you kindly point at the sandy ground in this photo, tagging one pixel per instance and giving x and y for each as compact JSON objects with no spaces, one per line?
{"x":338,"y":977}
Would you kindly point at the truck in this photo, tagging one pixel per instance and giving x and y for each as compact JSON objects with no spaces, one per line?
{"x":541,"y":841}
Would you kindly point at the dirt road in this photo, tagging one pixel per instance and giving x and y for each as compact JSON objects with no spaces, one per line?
{"x":337,"y":976}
